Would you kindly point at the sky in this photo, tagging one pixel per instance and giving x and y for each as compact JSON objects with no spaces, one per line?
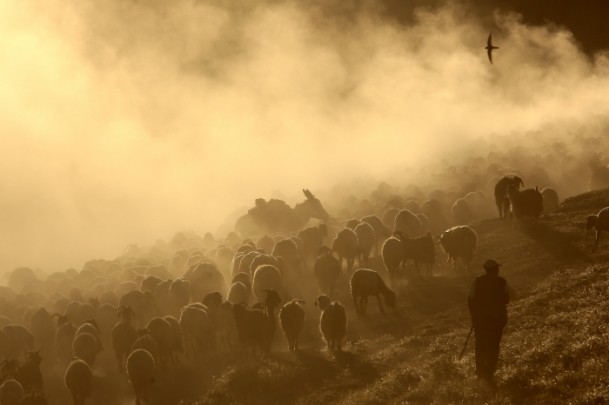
{"x":125,"y":121}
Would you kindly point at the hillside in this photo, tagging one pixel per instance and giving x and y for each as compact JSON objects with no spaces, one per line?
{"x":555,"y":346}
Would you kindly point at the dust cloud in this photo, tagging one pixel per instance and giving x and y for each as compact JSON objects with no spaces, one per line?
{"x":124,"y":121}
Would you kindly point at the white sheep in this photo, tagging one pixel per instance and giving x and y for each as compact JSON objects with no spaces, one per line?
{"x":266,"y":277}
{"x":459,"y":242}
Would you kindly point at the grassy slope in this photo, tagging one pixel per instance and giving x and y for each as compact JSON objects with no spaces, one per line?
{"x":555,"y":348}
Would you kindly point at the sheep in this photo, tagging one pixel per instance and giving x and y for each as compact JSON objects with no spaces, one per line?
{"x":204,"y":278}
{"x":64,"y":335}
{"x":291,"y":317}
{"x":326,"y":270}
{"x":149,"y":283}
{"x":525,"y":203}
{"x":366,"y":238}
{"x":28,"y":373}
{"x":346,"y":245}
{"x":550,"y":199}
{"x":226,"y":327}
{"x":434,"y":209}
{"x":11,"y":392}
{"x":287,"y":250}
{"x":78,"y":379}
{"x":105,"y":320}
{"x":392,"y":253}
{"x":43,"y":331}
{"x":352,"y":223}
{"x":265,"y":244}
{"x":501,"y":193}
{"x":140,"y":369}
{"x":85,"y":347}
{"x":266,"y":277}
{"x":600,"y":222}
{"x":145,"y":341}
{"x":90,"y":326}
{"x":312,"y":239}
{"x":196,"y":329}
{"x":381,"y":231}
{"x":123,"y":336}
{"x":407,"y":223}
{"x":389,"y":216}
{"x":212,"y":301}
{"x":420,"y":250}
{"x":179,"y":295}
{"x":177,"y":345}
{"x":19,"y":340}
{"x":259,"y":261}
{"x":332,"y":322}
{"x":255,"y":327}
{"x":161,"y":331}
{"x":142,"y":303}
{"x":459,"y":242}
{"x":238,"y":293}
{"x":365,"y":282}
{"x":246,"y":262}
{"x":461,"y":212}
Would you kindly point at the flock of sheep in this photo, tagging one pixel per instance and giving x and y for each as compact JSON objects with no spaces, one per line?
{"x":194,"y":296}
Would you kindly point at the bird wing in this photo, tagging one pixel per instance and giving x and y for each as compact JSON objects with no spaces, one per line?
{"x":489,"y":41}
{"x":490,"y":55}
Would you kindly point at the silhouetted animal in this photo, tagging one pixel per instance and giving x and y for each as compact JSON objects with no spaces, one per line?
{"x":600,"y":222}
{"x":526,"y":203}
{"x":365,"y":282}
{"x":459,"y":242}
{"x":332,"y":322}
{"x":501,"y":193}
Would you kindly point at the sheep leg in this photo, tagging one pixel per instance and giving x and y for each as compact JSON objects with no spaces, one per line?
{"x":378,"y":297}
{"x":364,"y":304}
{"x":356,"y":303}
{"x":598,"y":236}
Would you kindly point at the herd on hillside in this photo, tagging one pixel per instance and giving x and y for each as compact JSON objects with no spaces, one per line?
{"x":155,"y":309}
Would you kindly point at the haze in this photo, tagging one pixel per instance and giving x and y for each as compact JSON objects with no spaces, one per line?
{"x":125,"y":121}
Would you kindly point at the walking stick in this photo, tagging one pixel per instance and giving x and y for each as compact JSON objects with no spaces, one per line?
{"x":466,"y":341}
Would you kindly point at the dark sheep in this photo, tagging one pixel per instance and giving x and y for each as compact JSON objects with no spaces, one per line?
{"x":526,"y":203}
{"x":501,"y":193}
{"x":365,"y":282}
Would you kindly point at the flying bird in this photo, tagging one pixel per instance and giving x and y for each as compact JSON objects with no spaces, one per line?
{"x":489,"y":47}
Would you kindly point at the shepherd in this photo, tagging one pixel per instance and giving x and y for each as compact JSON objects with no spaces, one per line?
{"x":487,"y":303}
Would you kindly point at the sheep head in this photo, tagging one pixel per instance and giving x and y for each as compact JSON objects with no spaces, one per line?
{"x":323,"y":301}
{"x":591,"y":222}
{"x":272,"y":298}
